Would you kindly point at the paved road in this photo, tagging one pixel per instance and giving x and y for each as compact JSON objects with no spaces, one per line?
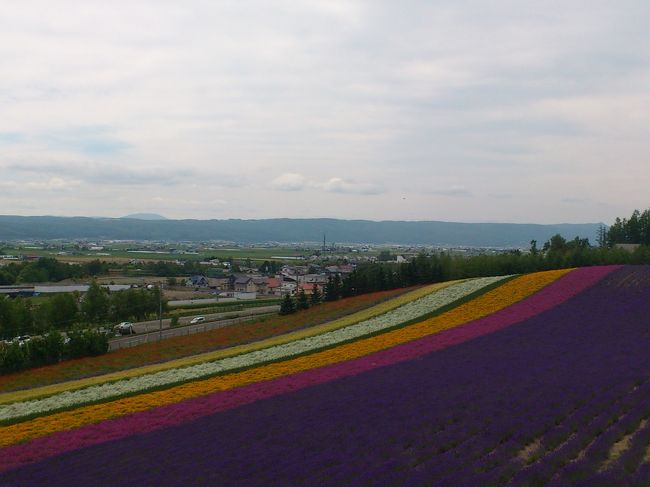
{"x":150,"y":331}
{"x":154,"y":336}
{"x":154,"y":325}
{"x":182,"y":302}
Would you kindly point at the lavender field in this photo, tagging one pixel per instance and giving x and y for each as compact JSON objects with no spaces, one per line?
{"x":561,"y":398}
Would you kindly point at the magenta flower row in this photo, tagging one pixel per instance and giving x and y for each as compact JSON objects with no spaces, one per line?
{"x":176,"y":414}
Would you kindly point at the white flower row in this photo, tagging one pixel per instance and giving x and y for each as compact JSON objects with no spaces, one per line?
{"x":407,"y":312}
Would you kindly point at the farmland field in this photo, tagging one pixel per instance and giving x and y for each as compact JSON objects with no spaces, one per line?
{"x":541,"y":379}
{"x":122,"y":255}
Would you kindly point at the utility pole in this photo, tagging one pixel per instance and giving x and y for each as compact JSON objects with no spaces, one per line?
{"x":160,"y":289}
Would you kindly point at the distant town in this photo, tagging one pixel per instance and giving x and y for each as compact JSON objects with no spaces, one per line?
{"x":227,"y":269}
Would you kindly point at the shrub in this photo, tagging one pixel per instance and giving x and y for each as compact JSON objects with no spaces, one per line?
{"x":85,"y":343}
{"x":54,"y":346}
{"x":13,"y":357}
{"x":36,"y":352}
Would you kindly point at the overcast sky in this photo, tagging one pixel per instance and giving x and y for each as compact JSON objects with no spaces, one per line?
{"x":505,"y":111}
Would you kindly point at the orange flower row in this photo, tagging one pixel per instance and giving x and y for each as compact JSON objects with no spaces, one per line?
{"x":347,"y":320}
{"x":174,"y":348}
{"x":492,"y":301}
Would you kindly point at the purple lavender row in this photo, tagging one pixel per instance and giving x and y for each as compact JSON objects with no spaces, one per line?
{"x":557,"y":425}
{"x":581,"y":458}
{"x":177,"y":414}
{"x":563,"y":444}
{"x":630,"y":459}
{"x":484,"y":453}
{"x":411,"y":423}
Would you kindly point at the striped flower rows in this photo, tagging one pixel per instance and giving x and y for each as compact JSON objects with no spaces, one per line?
{"x":487,"y":303}
{"x":353,"y":318}
{"x":407,"y":312}
{"x":563,"y":367}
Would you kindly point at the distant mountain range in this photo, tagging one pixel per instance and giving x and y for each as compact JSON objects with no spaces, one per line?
{"x":291,"y":230}
{"x":145,"y":216}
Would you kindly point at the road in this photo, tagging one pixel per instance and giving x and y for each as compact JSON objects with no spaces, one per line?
{"x":154,"y":336}
{"x":154,"y":325}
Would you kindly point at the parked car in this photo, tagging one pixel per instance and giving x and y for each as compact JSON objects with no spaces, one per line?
{"x":197,"y":319}
{"x":107,"y":331}
{"x":20,"y":340}
{"x":125,"y":328}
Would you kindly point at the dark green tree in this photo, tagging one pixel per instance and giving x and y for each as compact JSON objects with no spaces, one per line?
{"x":23,"y":316}
{"x":31,"y":273}
{"x":302,"y":302}
{"x":95,"y":304}
{"x":333,"y":288}
{"x":384,"y":256}
{"x":602,"y":236}
{"x":13,"y":357}
{"x":287,"y":306}
{"x":316,"y":296}
{"x":8,"y":328}
{"x":64,"y":311}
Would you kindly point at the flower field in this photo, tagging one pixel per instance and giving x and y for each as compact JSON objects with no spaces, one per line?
{"x":178,"y":347}
{"x":541,"y":379}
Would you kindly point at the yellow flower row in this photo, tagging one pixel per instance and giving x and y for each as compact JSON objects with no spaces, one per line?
{"x":494,"y":300}
{"x":351,"y":319}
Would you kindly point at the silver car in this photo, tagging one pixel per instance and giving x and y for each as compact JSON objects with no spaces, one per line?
{"x":125,"y":328}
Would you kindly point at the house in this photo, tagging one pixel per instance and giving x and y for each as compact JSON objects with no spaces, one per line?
{"x":340,"y":269}
{"x":249,"y":283}
{"x":288,"y":287}
{"x":219,"y":283}
{"x":346,"y":268}
{"x":260,"y":284}
{"x":273,"y":286}
{"x":197,"y":281}
{"x":309,"y":288}
{"x":320,"y":279}
{"x":244,"y":284}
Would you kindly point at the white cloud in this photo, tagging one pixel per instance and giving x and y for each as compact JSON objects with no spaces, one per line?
{"x":339,"y":185}
{"x":9,"y":186}
{"x":298,"y":182}
{"x":53,"y":184}
{"x":289,"y":182}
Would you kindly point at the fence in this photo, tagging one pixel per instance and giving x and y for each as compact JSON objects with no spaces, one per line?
{"x":154,"y":336}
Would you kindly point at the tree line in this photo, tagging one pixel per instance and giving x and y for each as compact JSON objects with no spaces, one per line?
{"x":556,"y":253}
{"x":291,"y":304}
{"x":51,"y":348}
{"x":98,"y":306}
{"x":633,"y":230}
{"x":164,"y":268}
{"x":48,"y":269}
